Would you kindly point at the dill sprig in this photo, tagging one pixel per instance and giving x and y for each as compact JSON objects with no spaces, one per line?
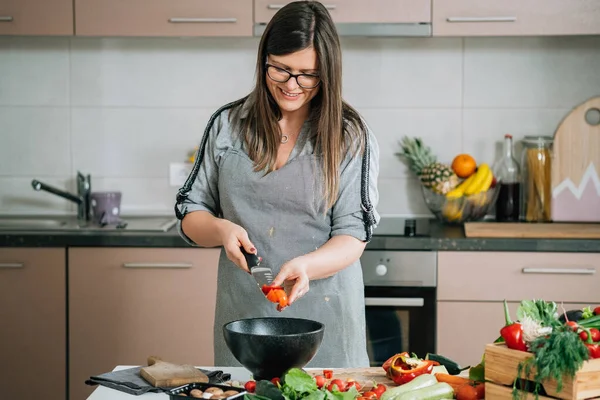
{"x":559,"y":354}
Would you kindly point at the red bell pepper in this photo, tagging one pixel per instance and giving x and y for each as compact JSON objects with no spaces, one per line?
{"x":512,"y":333}
{"x":386,"y":365}
{"x":403,"y":369}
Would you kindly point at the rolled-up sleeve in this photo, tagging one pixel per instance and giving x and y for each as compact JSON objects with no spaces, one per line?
{"x":348,"y":213}
{"x":200,"y":191}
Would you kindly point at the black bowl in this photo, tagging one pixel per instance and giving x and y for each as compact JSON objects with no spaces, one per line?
{"x":268,"y":347}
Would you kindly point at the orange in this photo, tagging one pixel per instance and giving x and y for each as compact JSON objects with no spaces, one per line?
{"x":464,"y":165}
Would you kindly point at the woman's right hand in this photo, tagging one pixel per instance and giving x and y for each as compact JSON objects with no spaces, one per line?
{"x":233,"y":237}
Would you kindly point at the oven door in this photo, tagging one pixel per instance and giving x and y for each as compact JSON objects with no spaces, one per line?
{"x":399,"y":319}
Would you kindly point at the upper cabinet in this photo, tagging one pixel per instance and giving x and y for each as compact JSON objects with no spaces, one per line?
{"x":36,"y":17}
{"x":163,"y":18}
{"x":359,"y":17}
{"x":515,"y":17}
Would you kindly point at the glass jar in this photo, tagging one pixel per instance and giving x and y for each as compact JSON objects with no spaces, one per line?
{"x":536,"y":162}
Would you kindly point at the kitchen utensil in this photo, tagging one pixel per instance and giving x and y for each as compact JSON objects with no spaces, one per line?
{"x":542,"y":230}
{"x":262,"y":275}
{"x":269,"y":346}
{"x":576,"y":165}
{"x":160,"y":373}
{"x":186,"y":391}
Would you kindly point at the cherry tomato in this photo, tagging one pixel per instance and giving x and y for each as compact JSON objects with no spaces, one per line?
{"x":250,"y":386}
{"x":341,"y":385}
{"x":379,"y":389}
{"x":370,"y":395}
{"x":573,"y":325}
{"x":328,"y":373}
{"x":597,"y":311}
{"x":276,"y":381}
{"x":351,"y":383}
{"x":320,"y":379}
{"x":594,"y":332}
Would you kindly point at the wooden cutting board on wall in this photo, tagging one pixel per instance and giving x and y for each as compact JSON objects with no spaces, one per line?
{"x":576,"y":165}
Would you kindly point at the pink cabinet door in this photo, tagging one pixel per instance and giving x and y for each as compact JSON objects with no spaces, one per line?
{"x":163,"y":18}
{"x":36,"y":17}
{"x":126,"y":304}
{"x":356,"y":11}
{"x":33,"y":323}
{"x":515,"y":17}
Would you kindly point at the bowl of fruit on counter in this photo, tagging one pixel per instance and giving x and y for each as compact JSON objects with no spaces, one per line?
{"x":456,"y":192}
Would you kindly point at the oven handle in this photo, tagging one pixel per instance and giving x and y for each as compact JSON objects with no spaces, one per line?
{"x":395,"y":301}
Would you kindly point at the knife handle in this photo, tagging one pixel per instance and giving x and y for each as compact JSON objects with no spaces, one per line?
{"x":251,"y":259}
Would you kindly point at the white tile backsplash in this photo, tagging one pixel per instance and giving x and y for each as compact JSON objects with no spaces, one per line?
{"x":122,"y":109}
{"x":34,"y":72}
{"x":34,"y":141}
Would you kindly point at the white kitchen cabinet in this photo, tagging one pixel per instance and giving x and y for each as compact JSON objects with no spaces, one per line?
{"x":515,"y":17}
{"x":163,"y":18}
{"x":36,"y":17}
{"x":33,"y":323}
{"x":473,"y":285}
{"x":126,"y":304}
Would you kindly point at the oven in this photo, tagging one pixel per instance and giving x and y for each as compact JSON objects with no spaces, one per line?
{"x":400,"y":300}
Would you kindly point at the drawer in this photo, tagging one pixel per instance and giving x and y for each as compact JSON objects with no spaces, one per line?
{"x":357,"y":11}
{"x":36,"y":17}
{"x":495,"y":276}
{"x":515,"y":18}
{"x":163,"y":18}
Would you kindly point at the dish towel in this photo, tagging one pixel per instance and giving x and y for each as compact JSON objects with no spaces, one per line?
{"x":130,"y":381}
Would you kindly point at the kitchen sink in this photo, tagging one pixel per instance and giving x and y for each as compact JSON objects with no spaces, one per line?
{"x":71,"y":223}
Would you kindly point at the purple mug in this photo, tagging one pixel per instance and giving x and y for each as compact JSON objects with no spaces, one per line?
{"x":106,"y":207}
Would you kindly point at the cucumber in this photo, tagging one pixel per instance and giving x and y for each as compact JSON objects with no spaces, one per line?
{"x":419,"y":382}
{"x":452,"y":367}
{"x":439,"y":391}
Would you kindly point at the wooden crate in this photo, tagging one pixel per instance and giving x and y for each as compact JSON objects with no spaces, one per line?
{"x":501,"y":366}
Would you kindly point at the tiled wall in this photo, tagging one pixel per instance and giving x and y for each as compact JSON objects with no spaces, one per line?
{"x":123,"y":109}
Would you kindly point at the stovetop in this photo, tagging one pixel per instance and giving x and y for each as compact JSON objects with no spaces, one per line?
{"x":402,"y":226}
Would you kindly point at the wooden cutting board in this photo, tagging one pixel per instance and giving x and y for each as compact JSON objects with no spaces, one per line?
{"x":160,"y":373}
{"x":576,"y":165}
{"x":364,"y":376}
{"x":552,"y":230}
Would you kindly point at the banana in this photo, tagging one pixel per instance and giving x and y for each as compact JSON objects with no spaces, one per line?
{"x":459,"y":191}
{"x":480,"y":177}
{"x":487,"y":182}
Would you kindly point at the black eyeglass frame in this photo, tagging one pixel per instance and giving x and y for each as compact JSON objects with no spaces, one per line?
{"x":290,"y":75}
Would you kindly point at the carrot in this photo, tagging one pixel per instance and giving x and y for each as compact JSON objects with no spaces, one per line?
{"x":453,"y":380}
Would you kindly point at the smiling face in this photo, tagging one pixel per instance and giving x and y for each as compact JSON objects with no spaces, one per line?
{"x":290,"y":96}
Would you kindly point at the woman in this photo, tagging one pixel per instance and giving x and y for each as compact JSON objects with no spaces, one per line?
{"x":280,"y":172}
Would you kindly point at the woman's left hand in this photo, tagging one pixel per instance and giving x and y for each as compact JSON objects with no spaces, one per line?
{"x":293,"y":278}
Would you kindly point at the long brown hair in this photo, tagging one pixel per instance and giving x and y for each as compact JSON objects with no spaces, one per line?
{"x":337,"y":126}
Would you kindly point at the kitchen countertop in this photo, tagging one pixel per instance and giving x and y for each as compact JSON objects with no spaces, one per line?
{"x":104,"y":393}
{"x":440,"y":238}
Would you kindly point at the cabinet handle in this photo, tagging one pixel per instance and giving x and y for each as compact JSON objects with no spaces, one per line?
{"x":12,"y":265}
{"x":6,"y":18}
{"x":279,"y":6}
{"x":157,"y":265}
{"x":565,"y":271}
{"x":395,"y":301}
{"x":202,"y":20}
{"x":481,"y":19}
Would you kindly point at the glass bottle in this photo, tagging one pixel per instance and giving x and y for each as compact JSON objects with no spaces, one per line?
{"x":508,"y":174}
{"x":536,"y":162}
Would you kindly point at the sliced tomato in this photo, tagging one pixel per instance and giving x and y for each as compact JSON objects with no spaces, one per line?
{"x":320,"y":380}
{"x":277,"y":295}
{"x":328,"y":373}
{"x":341,"y":385}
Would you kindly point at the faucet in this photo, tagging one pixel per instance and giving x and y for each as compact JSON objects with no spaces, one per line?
{"x":82,"y":199}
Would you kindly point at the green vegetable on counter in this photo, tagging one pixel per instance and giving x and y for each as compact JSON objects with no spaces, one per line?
{"x":419,"y":382}
{"x":452,"y":367}
{"x":441,"y":390}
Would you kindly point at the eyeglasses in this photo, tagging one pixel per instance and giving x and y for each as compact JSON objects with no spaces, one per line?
{"x":306,"y":81}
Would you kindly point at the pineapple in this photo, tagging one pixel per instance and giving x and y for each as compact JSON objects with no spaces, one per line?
{"x":434,"y":175}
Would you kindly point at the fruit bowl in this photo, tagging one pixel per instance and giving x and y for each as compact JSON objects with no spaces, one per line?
{"x":462,"y":209}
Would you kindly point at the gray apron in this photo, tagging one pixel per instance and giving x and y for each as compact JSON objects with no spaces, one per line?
{"x":282,"y":213}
